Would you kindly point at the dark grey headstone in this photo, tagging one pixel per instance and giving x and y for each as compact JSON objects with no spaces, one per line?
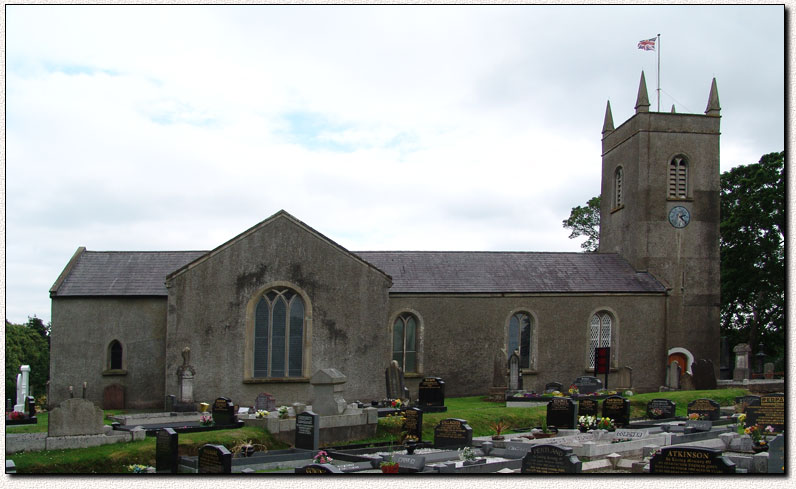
{"x":587,"y":407}
{"x":704,"y":374}
{"x":265,"y":402}
{"x":743,"y":402}
{"x":550,"y":459}
{"x":661,"y":409}
{"x":413,"y":424}
{"x":214,"y":459}
{"x":318,"y":469}
{"x":166,"y":458}
{"x":770,"y":412}
{"x":588,"y":384}
{"x":553,"y":386}
{"x":394,"y":377}
{"x":31,"y":402}
{"x":432,"y":392}
{"x":169,"y":403}
{"x":308,"y":426}
{"x":618,"y":409}
{"x":453,"y":433}
{"x":708,"y":408}
{"x":776,"y":455}
{"x":699,"y":424}
{"x":561,"y":413}
{"x":690,"y":460}
{"x":224,"y":412}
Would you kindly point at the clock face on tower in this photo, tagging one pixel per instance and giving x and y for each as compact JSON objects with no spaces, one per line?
{"x":679,"y":216}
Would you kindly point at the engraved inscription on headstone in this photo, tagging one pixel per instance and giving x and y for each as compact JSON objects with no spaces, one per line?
{"x":549,"y":459}
{"x":703,"y":374}
{"x":432,"y":392}
{"x":224,"y":412}
{"x":452,"y":433}
{"x":308,"y":430}
{"x":166,"y":459}
{"x":561,"y":413}
{"x":618,"y":409}
{"x":770,"y":412}
{"x":690,"y":460}
{"x":588,"y":384}
{"x":214,"y":459}
{"x":413,"y":424}
{"x":587,"y":407}
{"x":707,"y":408}
{"x":661,"y":409}
{"x":265,"y":402}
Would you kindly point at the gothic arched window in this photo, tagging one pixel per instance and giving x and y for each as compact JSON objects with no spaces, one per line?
{"x":279,"y":334}
{"x":520,"y":338}
{"x":599,"y":333}
{"x":404,"y":341}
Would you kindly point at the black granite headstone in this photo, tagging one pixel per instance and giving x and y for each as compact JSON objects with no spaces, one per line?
{"x":413,"y":424}
{"x":770,"y":412}
{"x":587,"y":384}
{"x":703,"y":374}
{"x":453,"y":433}
{"x":318,"y":469}
{"x":432,"y":392}
{"x":265,"y":402}
{"x":550,"y":459}
{"x":308,"y":426}
{"x":166,"y":458}
{"x":553,"y":386}
{"x":587,"y":407}
{"x":31,"y":402}
{"x":168,"y":404}
{"x":214,"y":459}
{"x":224,"y":412}
{"x":706,"y":408}
{"x":561,"y":413}
{"x":661,"y":409}
{"x":618,"y":409}
{"x":690,"y":460}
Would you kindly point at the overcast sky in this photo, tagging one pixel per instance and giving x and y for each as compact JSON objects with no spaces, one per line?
{"x":384,"y":128}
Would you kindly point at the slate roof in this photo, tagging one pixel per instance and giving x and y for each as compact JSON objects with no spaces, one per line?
{"x":122,"y":273}
{"x":518,"y":272}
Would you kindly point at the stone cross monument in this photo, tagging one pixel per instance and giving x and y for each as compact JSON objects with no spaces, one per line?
{"x":185,"y":375}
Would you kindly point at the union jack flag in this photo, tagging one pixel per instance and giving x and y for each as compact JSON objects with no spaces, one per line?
{"x":647,"y":44}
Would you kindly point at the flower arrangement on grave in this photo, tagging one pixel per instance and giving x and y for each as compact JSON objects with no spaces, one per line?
{"x":282,"y":411}
{"x":396,"y":403}
{"x":246,"y":448}
{"x":389,"y":466}
{"x":206,"y":420}
{"x":393,"y":424}
{"x":741,"y":426}
{"x":138,"y":469}
{"x":656,"y":412}
{"x":261,"y":413}
{"x":16,"y":415}
{"x":467,"y":454}
{"x":322,"y":458}
{"x":573,"y":390}
{"x":606,"y":424}
{"x":499,"y":426}
{"x":759,"y":436}
{"x":586,"y":423}
{"x":695,"y":416}
{"x":557,"y":394}
{"x":628,"y":393}
{"x":41,"y":403}
{"x":410,"y":439}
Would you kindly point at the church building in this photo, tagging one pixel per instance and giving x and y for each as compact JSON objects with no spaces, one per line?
{"x":276,"y":303}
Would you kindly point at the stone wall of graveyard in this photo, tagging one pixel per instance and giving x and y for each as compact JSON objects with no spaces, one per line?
{"x":83,"y":329}
{"x":461,"y":334}
{"x":685,"y":260}
{"x":212,"y":303}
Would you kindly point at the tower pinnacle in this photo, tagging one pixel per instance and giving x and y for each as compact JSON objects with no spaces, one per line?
{"x":642,"y":100}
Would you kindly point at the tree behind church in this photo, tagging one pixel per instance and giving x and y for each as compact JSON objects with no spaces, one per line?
{"x":27,"y":344}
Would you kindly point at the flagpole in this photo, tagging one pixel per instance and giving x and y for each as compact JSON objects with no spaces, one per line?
{"x":659,"y":73}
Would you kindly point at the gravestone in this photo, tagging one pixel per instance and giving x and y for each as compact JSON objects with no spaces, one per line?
{"x":432,"y":395}
{"x":661,"y":409}
{"x":23,"y":387}
{"x":768,"y":370}
{"x":741,"y":370}
{"x":168,"y":403}
{"x":550,"y":459}
{"x":75,"y":417}
{"x":9,"y":405}
{"x":265,"y":402}
{"x":770,"y":412}
{"x":327,"y":391}
{"x":588,"y":384}
{"x":587,"y":407}
{"x":113,"y":397}
{"x":224,"y":412}
{"x":515,"y":380}
{"x":618,"y":409}
{"x":214,"y":459}
{"x":453,"y":433}
{"x":499,"y":370}
{"x":166,"y":458}
{"x":407,"y":463}
{"x":185,"y":378}
{"x":687,"y":382}
{"x":690,"y":460}
{"x":31,"y":406}
{"x":553,"y":386}
{"x":561,"y":413}
{"x":704,"y":375}
{"x":413,"y":424}
{"x":707,"y":408}
{"x":396,"y":388}
{"x":776,"y":455}
{"x":673,"y":375}
{"x":318,"y":469}
{"x":743,"y":402}
{"x":308,"y":428}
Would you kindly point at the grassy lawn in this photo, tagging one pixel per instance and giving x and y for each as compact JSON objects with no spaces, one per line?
{"x":479,"y":414}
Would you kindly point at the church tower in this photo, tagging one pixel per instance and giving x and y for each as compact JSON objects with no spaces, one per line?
{"x":660,"y":210}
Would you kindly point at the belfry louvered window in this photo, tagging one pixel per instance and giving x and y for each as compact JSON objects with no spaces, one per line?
{"x":618,"y":190}
{"x":678,"y":178}
{"x":404,"y":342}
{"x":279,"y":334}
{"x":599,"y":333}
{"x":521,"y":337}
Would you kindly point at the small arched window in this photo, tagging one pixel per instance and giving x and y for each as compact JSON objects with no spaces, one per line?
{"x":115,"y":353}
{"x":521,"y":338}
{"x":678,"y":178}
{"x":599,"y":333}
{"x":404,"y":342}
{"x":279,"y":324}
{"x":618,"y":190}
